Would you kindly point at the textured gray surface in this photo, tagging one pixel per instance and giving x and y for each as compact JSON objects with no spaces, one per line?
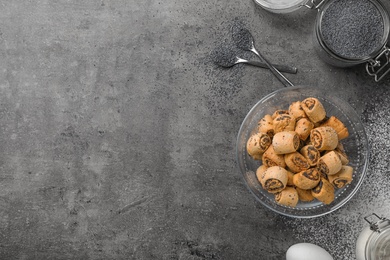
{"x":118,"y":133}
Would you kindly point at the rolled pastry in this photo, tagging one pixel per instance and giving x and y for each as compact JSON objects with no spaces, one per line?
{"x":275,"y":179}
{"x":341,"y":152}
{"x":279,"y":112}
{"x":260,"y":174}
{"x":307,"y":179}
{"x":303,"y":127}
{"x":342,"y":178}
{"x":285,"y":142}
{"x":296,"y":162}
{"x":304,"y":195}
{"x":324,"y":138}
{"x":270,"y":158}
{"x":290,"y":178}
{"x":338,"y":126}
{"x":314,"y":109}
{"x":301,"y":144}
{"x":265,"y":125}
{"x":295,"y":109}
{"x":287,"y":197}
{"x":311,"y":154}
{"x":283,"y":122}
{"x":324,"y":191}
{"x":257,"y":144}
{"x":329,"y":163}
{"x":323,"y":174}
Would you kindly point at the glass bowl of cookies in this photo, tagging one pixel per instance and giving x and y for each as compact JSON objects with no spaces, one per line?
{"x":302,"y":152}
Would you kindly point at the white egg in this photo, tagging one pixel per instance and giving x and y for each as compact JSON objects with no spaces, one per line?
{"x":307,"y":251}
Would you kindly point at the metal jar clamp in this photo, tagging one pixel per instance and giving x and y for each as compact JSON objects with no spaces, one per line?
{"x":313,"y":4}
{"x":378,"y":225}
{"x":373,"y":242}
{"x":380,"y":65}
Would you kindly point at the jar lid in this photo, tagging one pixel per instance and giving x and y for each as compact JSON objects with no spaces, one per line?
{"x":281,"y":6}
{"x":378,"y":244}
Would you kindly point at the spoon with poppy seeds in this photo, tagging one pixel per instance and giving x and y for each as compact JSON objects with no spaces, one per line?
{"x":244,"y":40}
{"x":225,"y":57}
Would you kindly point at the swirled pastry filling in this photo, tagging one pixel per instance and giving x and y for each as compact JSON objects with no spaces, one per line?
{"x":273,"y":185}
{"x":311,"y":174}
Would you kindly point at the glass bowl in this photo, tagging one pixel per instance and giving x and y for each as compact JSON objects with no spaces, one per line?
{"x":356,"y":148}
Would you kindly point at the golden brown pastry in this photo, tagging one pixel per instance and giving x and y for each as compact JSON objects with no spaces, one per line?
{"x":342,"y":178}
{"x":301,"y":145}
{"x":303,"y":127}
{"x":341,"y":152}
{"x":329,"y":163}
{"x":324,"y":138}
{"x":314,"y":109}
{"x":270,"y":158}
{"x":324,"y":191}
{"x":307,"y":179}
{"x":311,"y":154}
{"x":304,"y":195}
{"x":295,"y":109}
{"x":257,"y":144}
{"x":338,"y":126}
{"x":285,"y":142}
{"x":301,"y":153}
{"x":283,"y":122}
{"x":265,"y":125}
{"x":260,"y":173}
{"x":287,"y":197}
{"x":275,"y":179}
{"x":290,"y":176}
{"x":323,"y":175}
{"x":279,"y":112}
{"x":296,"y":162}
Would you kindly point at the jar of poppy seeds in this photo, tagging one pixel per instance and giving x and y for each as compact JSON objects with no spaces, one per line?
{"x":373,"y":242}
{"x":346,"y":32}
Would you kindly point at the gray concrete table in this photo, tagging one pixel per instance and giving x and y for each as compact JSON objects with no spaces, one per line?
{"x":118,"y":133}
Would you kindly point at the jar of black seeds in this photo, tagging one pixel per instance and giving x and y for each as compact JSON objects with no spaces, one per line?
{"x":348,"y":32}
{"x":351,"y":32}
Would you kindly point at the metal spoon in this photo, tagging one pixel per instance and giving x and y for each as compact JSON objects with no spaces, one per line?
{"x":244,"y":40}
{"x":237,"y":60}
{"x":225,"y":56}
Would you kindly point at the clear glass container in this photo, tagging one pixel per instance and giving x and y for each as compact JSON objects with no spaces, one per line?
{"x":331,"y":56}
{"x":373,"y":242}
{"x":377,"y":60}
{"x":356,"y":147}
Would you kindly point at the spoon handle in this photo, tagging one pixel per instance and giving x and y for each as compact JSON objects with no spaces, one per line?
{"x":281,"y":68}
{"x":276,"y":72}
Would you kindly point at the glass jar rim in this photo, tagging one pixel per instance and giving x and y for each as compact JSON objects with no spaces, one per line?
{"x":283,"y":7}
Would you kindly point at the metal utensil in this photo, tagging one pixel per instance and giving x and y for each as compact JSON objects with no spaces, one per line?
{"x":230,"y":62}
{"x":244,"y":40}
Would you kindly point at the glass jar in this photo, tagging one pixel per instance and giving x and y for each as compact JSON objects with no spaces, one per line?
{"x":281,"y":6}
{"x":328,"y":41}
{"x":373,"y":242}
